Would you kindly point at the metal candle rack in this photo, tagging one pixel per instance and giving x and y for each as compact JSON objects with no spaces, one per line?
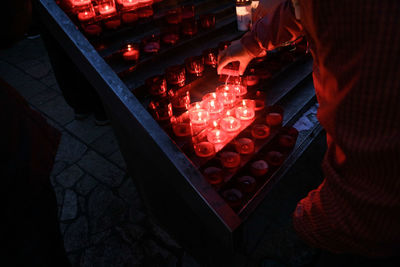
{"x":176,"y":192}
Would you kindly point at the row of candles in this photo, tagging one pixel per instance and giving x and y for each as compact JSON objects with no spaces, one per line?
{"x":170,"y":35}
{"x":113,"y":13}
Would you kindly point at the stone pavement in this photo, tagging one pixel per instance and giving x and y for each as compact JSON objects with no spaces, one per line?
{"x":101,"y":215}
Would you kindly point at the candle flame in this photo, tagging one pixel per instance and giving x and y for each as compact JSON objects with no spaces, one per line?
{"x":215,"y":123}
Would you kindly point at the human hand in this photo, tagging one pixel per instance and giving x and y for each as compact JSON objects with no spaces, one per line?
{"x":235,"y":52}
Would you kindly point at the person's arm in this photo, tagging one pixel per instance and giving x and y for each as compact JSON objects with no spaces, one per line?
{"x":278,"y":26}
{"x":275,"y":28}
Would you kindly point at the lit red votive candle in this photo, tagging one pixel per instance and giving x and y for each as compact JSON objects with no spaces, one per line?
{"x":244,"y":146}
{"x":204,"y":149}
{"x":212,"y":103}
{"x":239,"y":89}
{"x":198,"y":115}
{"x":245,"y":109}
{"x":227,"y":95}
{"x":216,"y":136}
{"x":230,"y":124}
{"x":131,"y":52}
{"x":107,"y":8}
{"x":130,"y":4}
{"x":86,"y":14}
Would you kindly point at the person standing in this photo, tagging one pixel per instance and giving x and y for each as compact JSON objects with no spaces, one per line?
{"x":356,"y":50}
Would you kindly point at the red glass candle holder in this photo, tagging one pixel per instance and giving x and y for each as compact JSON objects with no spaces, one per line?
{"x":161,"y":109}
{"x":198,"y":115}
{"x":245,"y":109}
{"x":233,"y":197}
{"x":157,"y":85}
{"x":92,"y":28}
{"x":204,"y":149}
{"x":131,"y":52}
{"x":207,"y":21}
{"x":145,"y":13}
{"x":151,"y":44}
{"x":275,"y":158}
{"x":260,"y":98}
{"x":170,"y":34}
{"x":112,"y":22}
{"x":230,"y":159}
{"x":210,"y":57}
{"x":180,"y":100}
{"x":246,"y":183}
{"x":128,"y":4}
{"x":189,"y":27}
{"x":86,"y":13}
{"x":213,"y":175}
{"x":174,"y":16}
{"x":80,"y":3}
{"x":144,"y":3}
{"x":260,"y":131}
{"x":259,"y":168}
{"x":129,"y":17}
{"x":187,"y":11}
{"x":226,"y":95}
{"x":244,"y":146}
{"x":106,"y":8}
{"x":195,"y":65}
{"x":229,"y":123}
{"x":216,"y":136}
{"x":181,"y":125}
{"x":251,"y":78}
{"x":176,"y":75}
{"x":287,"y":137}
{"x":212,"y":102}
{"x":274,"y":116}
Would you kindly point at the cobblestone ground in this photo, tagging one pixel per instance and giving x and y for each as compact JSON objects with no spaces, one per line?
{"x":101,"y":215}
